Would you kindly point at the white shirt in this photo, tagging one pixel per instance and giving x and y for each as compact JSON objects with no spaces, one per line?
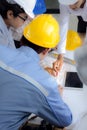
{"x":65,"y":12}
{"x":5,"y":35}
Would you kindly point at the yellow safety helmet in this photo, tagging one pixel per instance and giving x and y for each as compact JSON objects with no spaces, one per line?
{"x":73,"y":40}
{"x":43,"y":31}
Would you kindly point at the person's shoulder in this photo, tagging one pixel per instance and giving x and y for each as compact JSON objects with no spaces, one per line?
{"x":47,"y":80}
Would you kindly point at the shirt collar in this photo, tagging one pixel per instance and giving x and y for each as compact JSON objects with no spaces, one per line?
{"x":29,"y":52}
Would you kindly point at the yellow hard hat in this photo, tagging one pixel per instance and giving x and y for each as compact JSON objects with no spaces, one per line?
{"x":73,"y":40}
{"x":43,"y":31}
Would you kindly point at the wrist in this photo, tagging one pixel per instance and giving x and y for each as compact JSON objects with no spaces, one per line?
{"x":60,"y":57}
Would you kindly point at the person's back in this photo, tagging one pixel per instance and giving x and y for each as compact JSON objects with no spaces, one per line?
{"x":20,"y":97}
{"x":43,"y":99}
{"x":12,"y":101}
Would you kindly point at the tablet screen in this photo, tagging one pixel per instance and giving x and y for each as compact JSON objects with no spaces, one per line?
{"x":73,"y":80}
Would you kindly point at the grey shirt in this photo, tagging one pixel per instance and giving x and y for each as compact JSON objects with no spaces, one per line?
{"x":5,"y":34}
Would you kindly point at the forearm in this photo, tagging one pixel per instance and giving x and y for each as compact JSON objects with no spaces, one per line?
{"x":60,"y":56}
{"x":64,"y":24}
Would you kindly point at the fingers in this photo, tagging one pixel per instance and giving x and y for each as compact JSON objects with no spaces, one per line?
{"x":57,"y":65}
{"x":51,"y":71}
{"x":54,"y":73}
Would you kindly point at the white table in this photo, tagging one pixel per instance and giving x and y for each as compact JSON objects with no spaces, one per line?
{"x":76,"y":99}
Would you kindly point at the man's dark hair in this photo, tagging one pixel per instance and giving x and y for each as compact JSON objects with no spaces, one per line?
{"x":25,"y":42}
{"x":5,"y":6}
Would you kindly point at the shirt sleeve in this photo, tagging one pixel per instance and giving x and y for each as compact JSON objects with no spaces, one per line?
{"x":64,"y":23}
{"x":58,"y":110}
{"x":61,"y":111}
{"x":51,"y":107}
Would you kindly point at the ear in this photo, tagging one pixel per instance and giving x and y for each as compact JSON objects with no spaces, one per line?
{"x":10,"y":14}
{"x":46,"y":51}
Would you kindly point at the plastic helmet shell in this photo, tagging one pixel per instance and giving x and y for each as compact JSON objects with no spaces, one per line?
{"x":40,"y":7}
{"x":73,"y":40}
{"x":27,"y":5}
{"x":43,"y":31}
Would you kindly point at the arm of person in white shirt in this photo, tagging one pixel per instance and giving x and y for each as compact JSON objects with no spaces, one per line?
{"x":64,"y":23}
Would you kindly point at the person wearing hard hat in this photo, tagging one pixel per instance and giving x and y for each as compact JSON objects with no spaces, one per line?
{"x":39,"y":37}
{"x":68,"y":7}
{"x":40,"y":8}
{"x":13,"y":13}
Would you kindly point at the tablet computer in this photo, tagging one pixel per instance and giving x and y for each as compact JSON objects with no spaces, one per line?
{"x":73,"y":81}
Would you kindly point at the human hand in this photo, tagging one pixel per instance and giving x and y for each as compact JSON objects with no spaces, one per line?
{"x":51,"y":71}
{"x":57,"y":65}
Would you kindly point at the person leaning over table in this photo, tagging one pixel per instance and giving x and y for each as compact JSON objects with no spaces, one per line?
{"x":67,"y":8}
{"x":13,"y":13}
{"x":36,"y":42}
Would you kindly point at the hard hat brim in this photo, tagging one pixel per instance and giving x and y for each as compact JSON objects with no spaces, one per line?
{"x":67,"y":2}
